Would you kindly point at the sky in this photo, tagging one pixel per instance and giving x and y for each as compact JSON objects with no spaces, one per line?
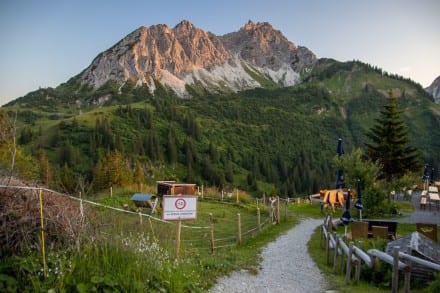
{"x":45,"y":42}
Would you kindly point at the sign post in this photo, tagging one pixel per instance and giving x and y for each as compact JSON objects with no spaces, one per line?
{"x":178,"y":231}
{"x":178,"y":208}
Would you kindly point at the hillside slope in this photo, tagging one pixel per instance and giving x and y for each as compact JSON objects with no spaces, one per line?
{"x":262,"y":140}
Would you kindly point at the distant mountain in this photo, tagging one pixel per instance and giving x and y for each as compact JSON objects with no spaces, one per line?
{"x":434,"y":90}
{"x":244,"y":125}
{"x":255,"y":56}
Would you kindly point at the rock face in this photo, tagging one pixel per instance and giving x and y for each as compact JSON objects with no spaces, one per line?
{"x":434,"y":90}
{"x":186,"y":55}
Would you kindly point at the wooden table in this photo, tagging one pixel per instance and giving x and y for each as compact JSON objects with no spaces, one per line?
{"x":391,"y":225}
{"x":432,"y":189}
{"x":435,"y":199}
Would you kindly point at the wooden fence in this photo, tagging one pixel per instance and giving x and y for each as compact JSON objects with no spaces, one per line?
{"x":95,"y":217}
{"x":353,"y":256}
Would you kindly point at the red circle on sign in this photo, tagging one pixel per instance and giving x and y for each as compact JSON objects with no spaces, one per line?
{"x":180,"y":203}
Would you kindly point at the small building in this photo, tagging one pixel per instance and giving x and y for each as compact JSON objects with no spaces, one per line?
{"x":418,"y":245}
{"x":144,"y":200}
{"x":175,"y":188}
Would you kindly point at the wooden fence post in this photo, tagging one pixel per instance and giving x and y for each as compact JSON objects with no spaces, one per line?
{"x":178,"y":232}
{"x":358,"y":266}
{"x":407,"y":277}
{"x":335,"y":255}
{"x":271,"y":211}
{"x":349,"y":260}
{"x":238,"y":229}
{"x":237,"y":196}
{"x":211,"y":228}
{"x":81,"y":209}
{"x":259,"y":219}
{"x":327,"y":247}
{"x":395,"y":280}
{"x":278,"y":209}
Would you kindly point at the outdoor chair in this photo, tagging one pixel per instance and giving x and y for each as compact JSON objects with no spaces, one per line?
{"x":359,"y":230}
{"x":380,"y":232}
{"x":429,"y":230}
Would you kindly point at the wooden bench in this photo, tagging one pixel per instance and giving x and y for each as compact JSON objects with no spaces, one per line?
{"x":391,"y":225}
{"x":423,"y":202}
{"x":380,"y":232}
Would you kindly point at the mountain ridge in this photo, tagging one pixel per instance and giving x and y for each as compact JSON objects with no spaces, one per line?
{"x":186,"y":55}
{"x":434,"y":90}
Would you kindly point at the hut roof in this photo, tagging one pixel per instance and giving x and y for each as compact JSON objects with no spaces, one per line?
{"x":417,"y":242}
{"x":142,"y":197}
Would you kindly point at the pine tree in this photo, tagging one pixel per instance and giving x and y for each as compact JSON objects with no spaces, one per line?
{"x":172,"y":147}
{"x":44,"y":167}
{"x":139,"y":175}
{"x":390,"y":144}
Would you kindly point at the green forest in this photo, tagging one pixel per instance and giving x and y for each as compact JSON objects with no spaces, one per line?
{"x":266,"y":140}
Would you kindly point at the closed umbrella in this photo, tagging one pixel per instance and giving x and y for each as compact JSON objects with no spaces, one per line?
{"x":340,"y":180}
{"x":426,"y":176}
{"x":359,"y":205}
{"x":346,"y":216}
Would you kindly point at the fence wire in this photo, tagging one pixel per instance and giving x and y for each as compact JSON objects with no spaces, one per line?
{"x":103,"y":222}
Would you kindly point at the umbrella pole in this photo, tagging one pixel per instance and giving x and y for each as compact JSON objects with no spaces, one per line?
{"x":345,"y":233}
{"x":360,"y":215}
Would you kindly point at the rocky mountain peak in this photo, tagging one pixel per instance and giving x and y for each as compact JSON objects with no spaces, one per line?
{"x":251,"y":26}
{"x":185,"y":55}
{"x":434,"y":90}
{"x":184,"y":25}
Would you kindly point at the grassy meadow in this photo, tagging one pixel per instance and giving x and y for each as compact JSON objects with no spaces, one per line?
{"x":122,"y":250}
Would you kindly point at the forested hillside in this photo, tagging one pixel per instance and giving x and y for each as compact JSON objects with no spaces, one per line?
{"x":278,"y":140}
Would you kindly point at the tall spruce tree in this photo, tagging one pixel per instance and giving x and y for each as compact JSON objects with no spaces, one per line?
{"x":390,"y":144}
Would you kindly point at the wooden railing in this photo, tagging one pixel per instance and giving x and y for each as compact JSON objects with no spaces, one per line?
{"x":354,"y":256}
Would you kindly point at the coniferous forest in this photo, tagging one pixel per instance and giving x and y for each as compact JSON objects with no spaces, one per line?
{"x":277,"y":140}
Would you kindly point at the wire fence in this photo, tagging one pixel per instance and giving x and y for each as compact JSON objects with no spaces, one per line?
{"x":61,"y":218}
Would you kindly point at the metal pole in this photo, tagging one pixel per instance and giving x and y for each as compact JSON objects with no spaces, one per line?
{"x":43,"y":251}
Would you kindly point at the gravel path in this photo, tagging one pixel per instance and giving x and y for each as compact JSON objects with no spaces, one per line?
{"x":286,"y":267}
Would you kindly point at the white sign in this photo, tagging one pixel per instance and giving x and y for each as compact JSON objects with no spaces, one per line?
{"x":179,"y":207}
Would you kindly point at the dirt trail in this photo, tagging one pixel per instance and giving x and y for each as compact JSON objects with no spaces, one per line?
{"x":286,"y":267}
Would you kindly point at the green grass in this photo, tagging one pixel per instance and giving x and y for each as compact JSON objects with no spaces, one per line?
{"x":121,"y":253}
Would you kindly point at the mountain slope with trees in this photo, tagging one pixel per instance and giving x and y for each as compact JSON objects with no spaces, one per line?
{"x":278,"y":140}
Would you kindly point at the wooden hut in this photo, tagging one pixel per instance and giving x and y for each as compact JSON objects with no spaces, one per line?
{"x":418,"y":245}
{"x":175,"y":188}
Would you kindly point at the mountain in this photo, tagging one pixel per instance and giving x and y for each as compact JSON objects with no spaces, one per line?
{"x":255,"y":56}
{"x":434,"y":90}
{"x":242,"y":127}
